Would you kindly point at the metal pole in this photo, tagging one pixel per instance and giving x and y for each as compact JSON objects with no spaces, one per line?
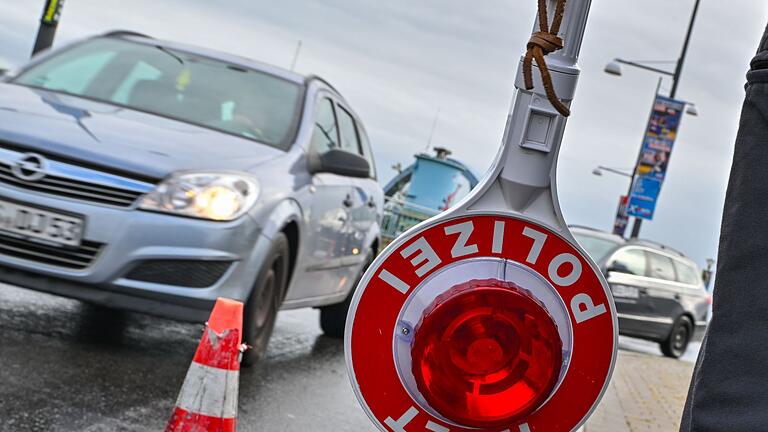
{"x":296,"y":56}
{"x":681,"y":61}
{"x":49,"y":22}
{"x":614,"y":171}
{"x":432,"y":131}
{"x":672,"y":93}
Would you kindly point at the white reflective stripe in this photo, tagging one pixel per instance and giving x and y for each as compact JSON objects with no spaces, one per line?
{"x":645,"y":318}
{"x":209,"y":391}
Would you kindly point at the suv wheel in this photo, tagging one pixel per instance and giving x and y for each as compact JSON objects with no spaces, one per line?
{"x":333,"y":318}
{"x":264,"y":302}
{"x":677,"y":342}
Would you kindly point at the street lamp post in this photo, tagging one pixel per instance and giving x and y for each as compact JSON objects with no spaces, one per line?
{"x":599,"y":171}
{"x":614,"y":68}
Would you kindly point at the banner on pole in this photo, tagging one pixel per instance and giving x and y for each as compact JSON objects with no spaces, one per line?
{"x":654,"y":158}
{"x":620,"y":225}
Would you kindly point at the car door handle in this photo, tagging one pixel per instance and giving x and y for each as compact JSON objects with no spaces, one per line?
{"x":372,"y":204}
{"x":348,"y":202}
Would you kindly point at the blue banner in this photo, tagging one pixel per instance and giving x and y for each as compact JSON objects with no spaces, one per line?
{"x":654,"y":157}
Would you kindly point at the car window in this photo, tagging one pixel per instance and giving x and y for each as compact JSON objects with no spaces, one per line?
{"x":325,"y":136}
{"x":686,"y":273}
{"x":597,"y":248}
{"x":630,"y":261}
{"x":349,"y":137}
{"x":367,"y":153}
{"x":73,"y":75}
{"x":180,"y":85}
{"x":661,"y":267}
{"x":141,"y":71}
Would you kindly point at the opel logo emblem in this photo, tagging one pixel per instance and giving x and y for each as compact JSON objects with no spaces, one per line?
{"x":30,"y":167}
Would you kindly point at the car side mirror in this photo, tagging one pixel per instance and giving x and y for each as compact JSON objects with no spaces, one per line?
{"x":342,"y":163}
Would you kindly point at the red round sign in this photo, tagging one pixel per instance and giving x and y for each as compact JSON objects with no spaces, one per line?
{"x":390,"y":286}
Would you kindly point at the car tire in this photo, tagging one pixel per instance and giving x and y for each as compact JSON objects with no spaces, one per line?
{"x":677,"y":343}
{"x":264,"y":302}
{"x":333,"y":318}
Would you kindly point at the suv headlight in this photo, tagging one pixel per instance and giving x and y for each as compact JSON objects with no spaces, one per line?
{"x":213,"y":196}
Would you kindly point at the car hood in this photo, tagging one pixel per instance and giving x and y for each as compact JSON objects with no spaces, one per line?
{"x":116,"y":138}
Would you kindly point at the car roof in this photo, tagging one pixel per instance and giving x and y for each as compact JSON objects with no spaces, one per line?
{"x":657,"y":246}
{"x":593,"y":232}
{"x":219,"y":55}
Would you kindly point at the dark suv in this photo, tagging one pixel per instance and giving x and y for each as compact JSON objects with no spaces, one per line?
{"x":659,"y":293}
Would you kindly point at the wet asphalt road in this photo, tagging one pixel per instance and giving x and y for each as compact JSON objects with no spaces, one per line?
{"x":67,"y":366}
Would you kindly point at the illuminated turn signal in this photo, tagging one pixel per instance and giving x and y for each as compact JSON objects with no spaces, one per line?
{"x":486,"y":353}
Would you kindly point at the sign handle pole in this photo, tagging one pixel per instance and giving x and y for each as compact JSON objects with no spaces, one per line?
{"x":522,"y":178}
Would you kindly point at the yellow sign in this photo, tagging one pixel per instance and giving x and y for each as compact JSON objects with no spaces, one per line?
{"x":51,"y":15}
{"x":183,"y":80}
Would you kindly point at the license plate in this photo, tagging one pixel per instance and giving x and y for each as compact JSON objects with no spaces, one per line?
{"x":34,"y":223}
{"x":625,"y":291}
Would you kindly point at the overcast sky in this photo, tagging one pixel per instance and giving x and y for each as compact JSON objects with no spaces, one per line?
{"x":400,"y":61}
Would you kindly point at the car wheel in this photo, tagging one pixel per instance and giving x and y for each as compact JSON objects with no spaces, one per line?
{"x":333,"y":318}
{"x":677,"y":342}
{"x":265,"y":300}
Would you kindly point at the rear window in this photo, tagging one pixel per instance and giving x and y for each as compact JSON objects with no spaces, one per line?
{"x":686,"y":273}
{"x":597,"y":248}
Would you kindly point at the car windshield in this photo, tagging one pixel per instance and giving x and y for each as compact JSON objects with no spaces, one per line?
{"x":175,"y":84}
{"x":597,"y":248}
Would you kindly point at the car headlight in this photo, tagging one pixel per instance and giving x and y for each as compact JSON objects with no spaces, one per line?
{"x":213,"y":196}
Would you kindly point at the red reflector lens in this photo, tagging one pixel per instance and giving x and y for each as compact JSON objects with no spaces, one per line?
{"x":486,"y":353}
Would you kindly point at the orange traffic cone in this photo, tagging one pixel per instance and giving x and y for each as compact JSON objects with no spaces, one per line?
{"x":208,"y":398}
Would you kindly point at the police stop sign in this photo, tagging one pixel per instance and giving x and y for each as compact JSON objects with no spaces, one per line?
{"x":487,"y":321}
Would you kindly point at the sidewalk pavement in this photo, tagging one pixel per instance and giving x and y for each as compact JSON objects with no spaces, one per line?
{"x":647,"y":394}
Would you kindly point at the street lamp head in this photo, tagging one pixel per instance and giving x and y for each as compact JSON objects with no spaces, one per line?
{"x":691,"y":110}
{"x":613,"y":68}
{"x":598,"y":172}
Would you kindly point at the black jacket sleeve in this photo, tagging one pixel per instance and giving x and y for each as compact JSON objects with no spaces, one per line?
{"x":729,"y":389}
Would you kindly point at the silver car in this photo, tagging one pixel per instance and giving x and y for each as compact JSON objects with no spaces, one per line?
{"x":154,"y":176}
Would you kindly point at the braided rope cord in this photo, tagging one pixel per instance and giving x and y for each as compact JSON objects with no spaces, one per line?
{"x":543,"y":42}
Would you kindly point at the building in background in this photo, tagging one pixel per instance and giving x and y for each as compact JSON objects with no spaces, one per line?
{"x":429,"y":186}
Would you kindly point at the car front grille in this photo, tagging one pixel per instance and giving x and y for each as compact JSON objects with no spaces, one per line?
{"x":71,"y":181}
{"x":76,"y":258}
{"x":71,"y":188}
{"x":183,"y":273}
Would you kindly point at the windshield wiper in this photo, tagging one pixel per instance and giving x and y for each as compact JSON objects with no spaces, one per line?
{"x":170,"y":53}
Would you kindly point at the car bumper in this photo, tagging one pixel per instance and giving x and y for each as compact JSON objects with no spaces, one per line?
{"x":130,"y":238}
{"x":700,"y":329}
